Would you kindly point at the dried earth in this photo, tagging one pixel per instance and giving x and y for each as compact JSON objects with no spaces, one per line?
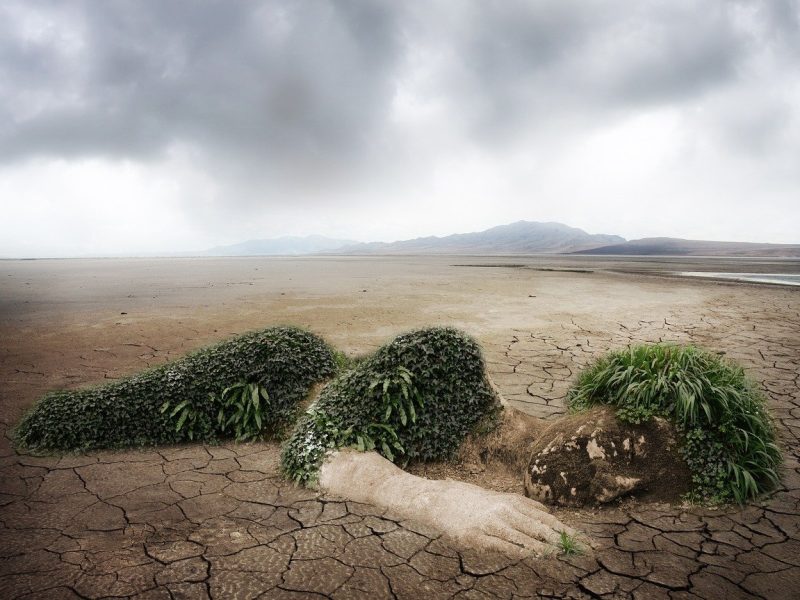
{"x":219,"y":522}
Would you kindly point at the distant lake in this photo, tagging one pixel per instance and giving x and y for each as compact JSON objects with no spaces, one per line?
{"x":779,"y":278}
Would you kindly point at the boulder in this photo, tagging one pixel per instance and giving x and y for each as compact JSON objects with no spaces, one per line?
{"x":594,"y":458}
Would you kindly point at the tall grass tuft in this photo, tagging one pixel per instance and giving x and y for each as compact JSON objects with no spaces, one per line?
{"x":728,"y":436}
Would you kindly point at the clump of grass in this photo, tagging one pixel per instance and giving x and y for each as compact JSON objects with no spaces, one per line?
{"x":568,"y":544}
{"x":728,"y":436}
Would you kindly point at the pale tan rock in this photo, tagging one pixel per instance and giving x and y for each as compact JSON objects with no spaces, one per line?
{"x":476,"y":517}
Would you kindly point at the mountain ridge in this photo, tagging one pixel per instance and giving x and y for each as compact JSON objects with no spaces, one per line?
{"x":520,"y":237}
{"x":668,"y":246}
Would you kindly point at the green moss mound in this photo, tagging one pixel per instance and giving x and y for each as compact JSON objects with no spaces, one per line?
{"x":285,"y":361}
{"x":729,"y":438}
{"x":414,"y":399}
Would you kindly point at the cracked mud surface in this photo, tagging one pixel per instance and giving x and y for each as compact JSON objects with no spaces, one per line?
{"x":219,"y":522}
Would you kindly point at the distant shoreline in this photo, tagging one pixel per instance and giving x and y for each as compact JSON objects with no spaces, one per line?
{"x":771,"y":278}
{"x":716,"y":270}
{"x":417,"y":255}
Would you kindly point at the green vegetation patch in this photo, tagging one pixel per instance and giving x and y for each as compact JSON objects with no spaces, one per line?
{"x":568,"y":545}
{"x":414,"y":399}
{"x":728,"y":436}
{"x":264,"y":374}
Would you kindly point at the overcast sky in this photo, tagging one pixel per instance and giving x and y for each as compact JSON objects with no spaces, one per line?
{"x":149,"y":126}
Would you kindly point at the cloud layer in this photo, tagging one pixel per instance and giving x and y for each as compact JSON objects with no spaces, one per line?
{"x":381,"y":119}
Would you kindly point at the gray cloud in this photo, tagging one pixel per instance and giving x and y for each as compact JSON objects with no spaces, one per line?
{"x":518,"y":64}
{"x":272,"y":81}
{"x":300,"y":99}
{"x":296,"y":82}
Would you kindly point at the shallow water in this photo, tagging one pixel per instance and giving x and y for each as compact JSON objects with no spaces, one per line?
{"x":778,"y":278}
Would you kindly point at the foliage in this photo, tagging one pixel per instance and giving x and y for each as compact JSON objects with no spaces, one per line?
{"x":190,"y":419}
{"x":414,"y":399}
{"x":728,"y":436}
{"x":397,"y":393}
{"x":708,"y":461}
{"x":568,"y":544}
{"x":284,"y":360}
{"x":244,"y":411}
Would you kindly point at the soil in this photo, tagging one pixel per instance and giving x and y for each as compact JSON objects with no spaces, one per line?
{"x":496,"y":460}
{"x":499,"y":460}
{"x":592,"y":458}
{"x":199,"y":521}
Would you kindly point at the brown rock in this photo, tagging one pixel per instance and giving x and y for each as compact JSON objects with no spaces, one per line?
{"x":594,"y":458}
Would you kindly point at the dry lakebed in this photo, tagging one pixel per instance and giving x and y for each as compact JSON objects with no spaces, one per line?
{"x":219,"y":521}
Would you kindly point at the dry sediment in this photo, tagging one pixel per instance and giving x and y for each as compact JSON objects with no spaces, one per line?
{"x":219,"y":521}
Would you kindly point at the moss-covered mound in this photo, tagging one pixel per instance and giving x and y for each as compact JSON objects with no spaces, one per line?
{"x":414,"y":399}
{"x":140,"y":410}
{"x":728,"y":436}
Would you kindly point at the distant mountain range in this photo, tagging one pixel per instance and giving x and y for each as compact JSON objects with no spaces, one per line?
{"x":522,"y":237}
{"x":678,"y":247}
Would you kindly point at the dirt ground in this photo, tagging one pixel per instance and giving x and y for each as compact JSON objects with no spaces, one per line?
{"x":218,"y":521}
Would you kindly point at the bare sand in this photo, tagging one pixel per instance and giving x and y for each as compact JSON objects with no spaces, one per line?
{"x":70,"y":322}
{"x":67,"y":323}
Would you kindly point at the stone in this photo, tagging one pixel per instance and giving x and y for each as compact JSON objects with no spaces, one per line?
{"x":594,"y":458}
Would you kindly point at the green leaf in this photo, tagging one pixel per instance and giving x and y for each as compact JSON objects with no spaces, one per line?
{"x":178,"y":408}
{"x":387,"y":451}
{"x":181,"y":420}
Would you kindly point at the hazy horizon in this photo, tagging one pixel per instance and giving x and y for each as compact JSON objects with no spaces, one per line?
{"x":139,"y":128}
{"x":209,"y":252}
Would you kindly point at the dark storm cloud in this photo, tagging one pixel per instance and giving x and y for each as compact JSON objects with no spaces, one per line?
{"x":519,"y":63}
{"x":292,"y":86}
{"x":270,"y":79}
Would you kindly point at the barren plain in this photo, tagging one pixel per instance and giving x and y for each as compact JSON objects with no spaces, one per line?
{"x":218,"y":521}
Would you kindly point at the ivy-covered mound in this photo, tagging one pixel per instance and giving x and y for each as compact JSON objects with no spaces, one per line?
{"x":183,"y":399}
{"x":728,"y":436}
{"x":414,"y":399}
